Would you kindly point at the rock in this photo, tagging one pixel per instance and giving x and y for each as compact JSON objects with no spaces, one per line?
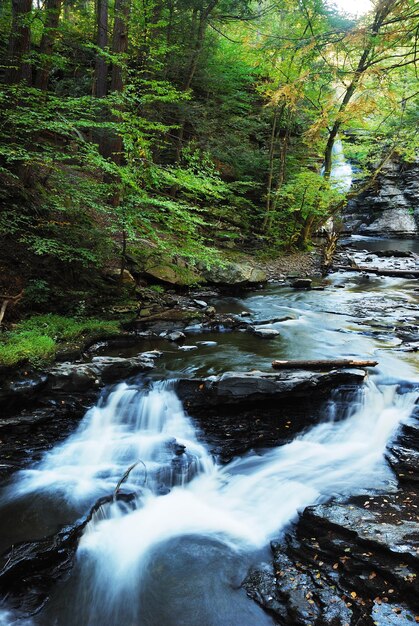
{"x":234,"y":274}
{"x":301,"y":283}
{"x":145,"y":313}
{"x":265,"y":333}
{"x":391,"y":208}
{"x":201,"y":303}
{"x":172,"y":274}
{"x":241,"y":387}
{"x":187,"y":348}
{"x":245,"y":314}
{"x":274,"y":320}
{"x":151,"y":354}
{"x":22,"y":387}
{"x":176,"y":335}
{"x":127,"y":277}
{"x":210,"y":310}
{"x":174,"y":315}
{"x":400,"y":254}
{"x":70,"y":377}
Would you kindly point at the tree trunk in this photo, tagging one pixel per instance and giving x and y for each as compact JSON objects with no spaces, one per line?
{"x":322,"y":364}
{"x":119,"y":42}
{"x":204,"y":14}
{"x":112,"y":145}
{"x":382,"y":10}
{"x":49,"y":36}
{"x":19,"y":68}
{"x":101,"y":67}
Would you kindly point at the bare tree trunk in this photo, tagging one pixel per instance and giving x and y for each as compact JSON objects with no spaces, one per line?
{"x":101,"y":67}
{"x":204,"y":14}
{"x":18,"y":67}
{"x":49,"y":36}
{"x":119,"y":42}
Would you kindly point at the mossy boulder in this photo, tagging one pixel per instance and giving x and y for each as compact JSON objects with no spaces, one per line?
{"x":234,"y":274}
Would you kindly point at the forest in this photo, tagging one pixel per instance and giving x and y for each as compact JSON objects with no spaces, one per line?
{"x":191,"y":131}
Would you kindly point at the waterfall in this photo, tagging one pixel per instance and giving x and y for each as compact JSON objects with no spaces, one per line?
{"x":341,"y":174}
{"x":179,"y":491}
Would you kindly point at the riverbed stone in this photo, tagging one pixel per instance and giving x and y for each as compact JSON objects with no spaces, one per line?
{"x":301,"y":283}
{"x":264,"y":333}
{"x":175,"y":336}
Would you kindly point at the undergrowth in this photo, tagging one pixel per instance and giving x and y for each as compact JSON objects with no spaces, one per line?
{"x":37,"y":339}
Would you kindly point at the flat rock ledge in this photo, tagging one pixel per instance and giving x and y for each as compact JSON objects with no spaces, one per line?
{"x":233,"y":388}
{"x":101,"y":370}
{"x":69,"y":376}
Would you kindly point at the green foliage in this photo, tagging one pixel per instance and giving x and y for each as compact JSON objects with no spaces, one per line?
{"x":305,"y":202}
{"x":214,"y":135}
{"x":37,"y":339}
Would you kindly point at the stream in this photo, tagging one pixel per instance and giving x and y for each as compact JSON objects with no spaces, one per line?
{"x":176,"y":549}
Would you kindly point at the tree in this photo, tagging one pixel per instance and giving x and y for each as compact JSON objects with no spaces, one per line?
{"x":389,"y":43}
{"x":18,"y":65}
{"x":101,"y":66}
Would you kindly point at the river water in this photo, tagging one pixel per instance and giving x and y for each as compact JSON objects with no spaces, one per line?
{"x":177,"y":553}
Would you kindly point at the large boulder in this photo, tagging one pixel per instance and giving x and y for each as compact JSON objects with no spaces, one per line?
{"x":234,"y":274}
{"x":172,"y":274}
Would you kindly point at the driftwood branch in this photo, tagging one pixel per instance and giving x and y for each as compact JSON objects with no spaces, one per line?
{"x":322,"y":364}
{"x":380,"y":272}
{"x":127,"y":473}
{"x":6,"y":301}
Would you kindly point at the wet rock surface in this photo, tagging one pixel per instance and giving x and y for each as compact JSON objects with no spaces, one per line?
{"x":237,"y":387}
{"x":26,"y":435}
{"x":350,"y":563}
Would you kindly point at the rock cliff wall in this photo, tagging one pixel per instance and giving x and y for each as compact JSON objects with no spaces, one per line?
{"x":391,"y":208}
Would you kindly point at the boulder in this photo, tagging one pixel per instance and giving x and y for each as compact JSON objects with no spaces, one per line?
{"x":172,"y":274}
{"x":234,"y":274}
{"x":301,"y":283}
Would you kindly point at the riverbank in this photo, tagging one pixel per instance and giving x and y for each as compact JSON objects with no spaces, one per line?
{"x":40,"y":339}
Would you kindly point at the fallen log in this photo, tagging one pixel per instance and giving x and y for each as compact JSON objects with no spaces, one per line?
{"x":413,"y":273}
{"x":320,"y":364}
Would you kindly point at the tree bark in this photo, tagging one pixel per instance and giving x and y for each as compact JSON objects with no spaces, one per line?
{"x":18,"y":68}
{"x":119,"y":42}
{"x":101,"y":66}
{"x":49,"y":36}
{"x":322,"y":364}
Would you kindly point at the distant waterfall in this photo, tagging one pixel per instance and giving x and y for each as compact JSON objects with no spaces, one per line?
{"x":341,"y":174}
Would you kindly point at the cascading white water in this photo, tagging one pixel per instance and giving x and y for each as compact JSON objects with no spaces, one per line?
{"x":341,"y":174}
{"x":242,"y":504}
{"x":183,"y":493}
{"x":130,"y":426}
